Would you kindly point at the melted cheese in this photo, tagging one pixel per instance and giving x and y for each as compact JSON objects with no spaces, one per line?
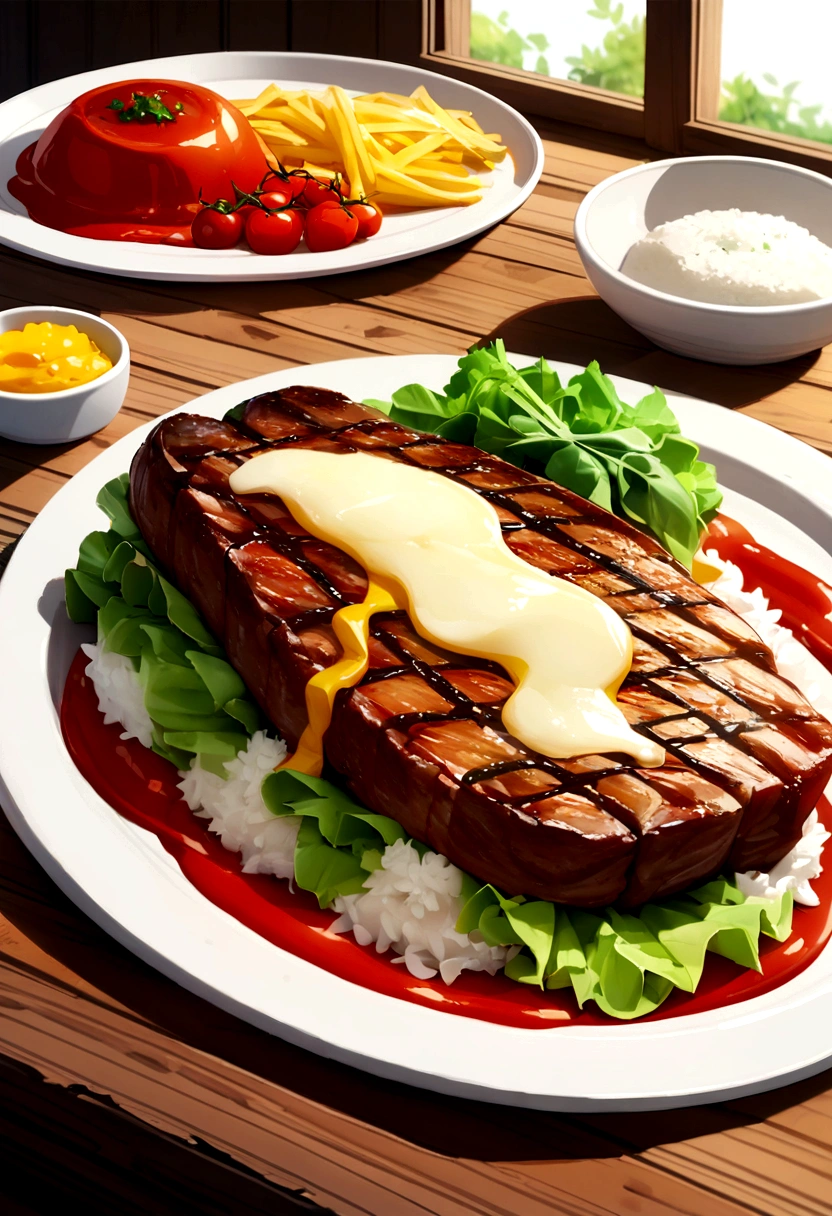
{"x":436,"y":547}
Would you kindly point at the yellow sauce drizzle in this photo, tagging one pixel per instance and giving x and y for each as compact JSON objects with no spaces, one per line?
{"x":352,"y":629}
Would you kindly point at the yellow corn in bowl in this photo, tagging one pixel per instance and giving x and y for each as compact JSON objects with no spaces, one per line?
{"x":63,"y":373}
{"x":47,"y":358}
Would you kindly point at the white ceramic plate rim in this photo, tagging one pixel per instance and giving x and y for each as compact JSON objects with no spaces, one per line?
{"x":121,"y":877}
{"x":425,"y":231}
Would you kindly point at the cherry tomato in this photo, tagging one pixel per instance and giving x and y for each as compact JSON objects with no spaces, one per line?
{"x":293,"y":184}
{"x":279,"y":197}
{"x":321,"y":190}
{"x":274,"y":231}
{"x":329,"y":227}
{"x":212,"y":229}
{"x":297,"y":184}
{"x":369,"y":219}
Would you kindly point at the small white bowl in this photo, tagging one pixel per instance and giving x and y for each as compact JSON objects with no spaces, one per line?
{"x":71,"y":413}
{"x":619,"y":211}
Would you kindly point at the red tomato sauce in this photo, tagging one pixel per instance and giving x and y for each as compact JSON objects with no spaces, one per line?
{"x":805,"y":601}
{"x":143,"y":787}
{"x":92,"y":174}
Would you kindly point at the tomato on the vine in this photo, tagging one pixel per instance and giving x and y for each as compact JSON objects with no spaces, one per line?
{"x":322,"y":190}
{"x":369,"y":219}
{"x":330,"y":227}
{"x":213,"y":229}
{"x":280,"y":196}
{"x":292,"y":183}
{"x":274,"y":231}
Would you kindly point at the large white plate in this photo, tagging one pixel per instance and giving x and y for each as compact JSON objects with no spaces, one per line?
{"x":243,"y":74}
{"x":121,"y":876}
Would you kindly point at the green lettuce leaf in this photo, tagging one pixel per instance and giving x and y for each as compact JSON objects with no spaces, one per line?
{"x":196,"y":701}
{"x":339,"y":842}
{"x":631,"y":460}
{"x":114,"y":501}
{"x":627,"y":964}
{"x":323,"y":870}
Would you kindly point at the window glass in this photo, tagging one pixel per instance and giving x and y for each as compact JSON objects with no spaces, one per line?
{"x":775,"y":66}
{"x":600,"y":44}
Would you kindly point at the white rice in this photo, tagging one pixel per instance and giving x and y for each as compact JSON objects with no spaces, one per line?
{"x":120,"y":695}
{"x":795,"y":872}
{"x":411,"y":904}
{"x":236,"y":812}
{"x":733,"y":257}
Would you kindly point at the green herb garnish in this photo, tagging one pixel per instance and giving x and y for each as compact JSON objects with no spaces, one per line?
{"x":631,"y":460}
{"x":145,"y":106}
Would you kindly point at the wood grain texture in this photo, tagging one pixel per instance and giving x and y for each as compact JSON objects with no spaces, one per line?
{"x":117,"y":1078}
{"x":669,"y":70}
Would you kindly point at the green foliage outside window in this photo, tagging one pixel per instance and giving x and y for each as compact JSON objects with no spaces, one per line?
{"x":618,"y":65}
{"x":743,"y":102}
{"x":494,"y":42}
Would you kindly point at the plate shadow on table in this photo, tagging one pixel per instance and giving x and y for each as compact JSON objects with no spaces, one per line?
{"x":452,"y":1127}
{"x":29,"y":280}
{"x":583,"y":328}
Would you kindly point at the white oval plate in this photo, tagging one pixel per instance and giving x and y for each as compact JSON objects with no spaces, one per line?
{"x":236,"y":74}
{"x":122,"y":877}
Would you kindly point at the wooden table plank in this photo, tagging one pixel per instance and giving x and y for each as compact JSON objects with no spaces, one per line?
{"x":164,"y":1075}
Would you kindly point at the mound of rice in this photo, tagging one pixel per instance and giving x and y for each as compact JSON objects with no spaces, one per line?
{"x":411,"y":906}
{"x":236,"y":812}
{"x":733,"y":257}
{"x":412,"y":903}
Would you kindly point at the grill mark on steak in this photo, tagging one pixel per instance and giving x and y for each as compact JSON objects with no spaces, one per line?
{"x":746,"y":756}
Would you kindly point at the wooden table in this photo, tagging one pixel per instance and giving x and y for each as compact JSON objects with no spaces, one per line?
{"x":129,"y":1094}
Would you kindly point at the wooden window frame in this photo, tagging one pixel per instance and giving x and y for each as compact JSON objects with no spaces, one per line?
{"x":704,"y":134}
{"x":446,"y":24}
{"x":682,"y":81}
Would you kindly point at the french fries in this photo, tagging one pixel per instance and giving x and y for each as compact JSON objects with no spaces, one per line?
{"x":405,"y":151}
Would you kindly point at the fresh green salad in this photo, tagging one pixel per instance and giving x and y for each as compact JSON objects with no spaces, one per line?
{"x":628,"y":964}
{"x":630,"y":459}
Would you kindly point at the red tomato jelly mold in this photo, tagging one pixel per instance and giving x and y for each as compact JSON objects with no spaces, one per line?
{"x":92,"y":174}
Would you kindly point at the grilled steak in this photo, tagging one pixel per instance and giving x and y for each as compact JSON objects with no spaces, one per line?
{"x":421,"y":738}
